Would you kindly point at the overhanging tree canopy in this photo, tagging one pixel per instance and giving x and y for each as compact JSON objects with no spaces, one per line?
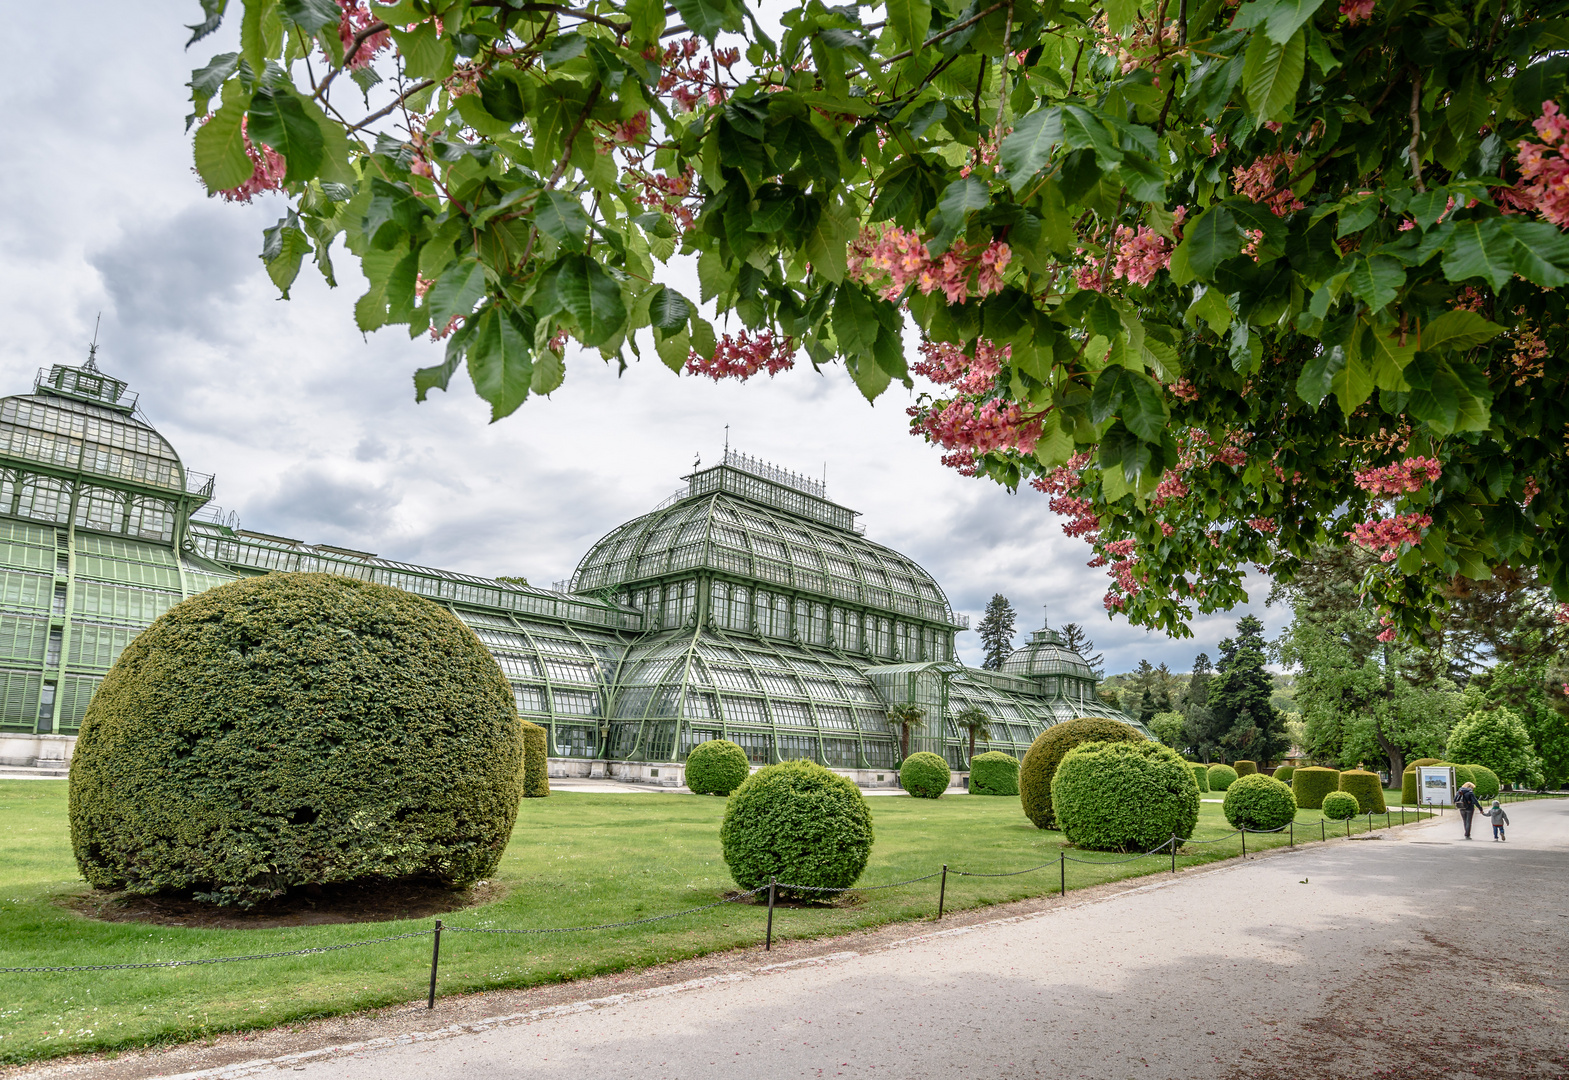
{"x":1224,"y":281}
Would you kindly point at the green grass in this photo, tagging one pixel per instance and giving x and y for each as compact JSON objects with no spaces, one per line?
{"x":575,"y":859}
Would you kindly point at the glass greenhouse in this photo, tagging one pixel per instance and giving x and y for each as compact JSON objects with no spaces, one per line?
{"x":747,"y":606}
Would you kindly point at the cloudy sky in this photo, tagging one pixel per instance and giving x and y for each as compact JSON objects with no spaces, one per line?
{"x":313,"y":432}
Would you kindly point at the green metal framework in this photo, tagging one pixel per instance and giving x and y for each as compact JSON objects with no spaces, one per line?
{"x":748,"y":606}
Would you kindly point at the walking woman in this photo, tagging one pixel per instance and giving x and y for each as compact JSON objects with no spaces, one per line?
{"x":1466,"y":803}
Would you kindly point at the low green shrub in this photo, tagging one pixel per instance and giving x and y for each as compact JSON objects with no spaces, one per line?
{"x":536,"y":762}
{"x":1046,"y":753}
{"x":800,"y":823}
{"x":925,"y":775}
{"x":716,"y":767}
{"x":1124,"y":796}
{"x":1408,"y":786}
{"x":1311,"y":784}
{"x":296,"y":730}
{"x":1487,"y":782}
{"x":1259,"y":802}
{"x":1245,"y":768}
{"x":994,"y":773}
{"x":1200,"y":776}
{"x":1366,"y":787}
{"x":1340,"y":805}
{"x":1221,"y":777}
{"x":1283,"y":774}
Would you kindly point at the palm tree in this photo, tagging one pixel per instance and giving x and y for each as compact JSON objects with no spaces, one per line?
{"x":906,"y":718}
{"x":972,"y":719}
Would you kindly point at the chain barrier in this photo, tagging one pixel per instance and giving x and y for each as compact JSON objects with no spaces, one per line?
{"x":604,"y":926}
{"x":853,"y":888}
{"x":222,"y":959}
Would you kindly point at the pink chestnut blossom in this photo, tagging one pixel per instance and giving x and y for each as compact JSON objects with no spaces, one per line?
{"x":744,"y":355}
{"x":268,"y":168}
{"x":1545,"y":166}
{"x":1401,"y":478}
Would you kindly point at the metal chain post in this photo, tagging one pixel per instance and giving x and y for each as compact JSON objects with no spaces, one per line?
{"x":1244,"y":833}
{"x":1062,"y":863}
{"x":768,"y":941}
{"x":1173,"y":853}
{"x":435,"y":959}
{"x":1291,"y":837}
{"x":942,"y":889}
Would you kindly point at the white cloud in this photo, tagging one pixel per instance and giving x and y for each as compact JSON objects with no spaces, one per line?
{"x":313,"y":431}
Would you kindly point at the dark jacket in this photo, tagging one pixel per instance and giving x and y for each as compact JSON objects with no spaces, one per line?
{"x":1465,"y":799}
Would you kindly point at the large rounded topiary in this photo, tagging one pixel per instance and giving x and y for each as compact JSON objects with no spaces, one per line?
{"x":1200,"y":776}
{"x":1259,"y":802}
{"x":1464,"y":774}
{"x":924,"y":775}
{"x":1487,"y":782}
{"x":1340,"y":806}
{"x":1283,"y":774}
{"x":1408,"y":785}
{"x":296,"y":729}
{"x":1221,"y":777}
{"x":1245,"y":767}
{"x":1312,"y":783}
{"x":1046,"y":753}
{"x":716,"y":767}
{"x":797,"y":822}
{"x":994,"y":773}
{"x":536,"y":762}
{"x":1366,"y":787}
{"x":1123,"y":796}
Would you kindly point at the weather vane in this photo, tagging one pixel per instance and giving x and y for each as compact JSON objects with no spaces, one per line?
{"x":92,"y":350}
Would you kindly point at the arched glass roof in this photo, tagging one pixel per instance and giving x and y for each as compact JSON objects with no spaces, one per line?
{"x":1047,"y":654}
{"x":739,"y":536}
{"x":80,"y":436}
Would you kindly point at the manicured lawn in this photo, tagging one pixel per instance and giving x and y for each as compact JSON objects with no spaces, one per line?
{"x":575,"y":859}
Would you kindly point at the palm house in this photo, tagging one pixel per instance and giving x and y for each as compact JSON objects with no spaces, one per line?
{"x":747,"y":606}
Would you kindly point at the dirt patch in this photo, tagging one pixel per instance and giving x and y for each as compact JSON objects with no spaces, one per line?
{"x":350,"y":902}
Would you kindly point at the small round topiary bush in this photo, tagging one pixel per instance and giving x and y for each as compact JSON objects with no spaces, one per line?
{"x":1046,"y":753}
{"x":1200,"y":776}
{"x":1312,"y":783}
{"x":1221,"y":777}
{"x":1366,"y":787}
{"x":924,"y":775}
{"x":536,"y":762}
{"x":1283,"y":774}
{"x":994,"y":773}
{"x":1259,"y":802}
{"x":800,"y":823}
{"x":292,"y":730}
{"x":1487,"y":783}
{"x":1408,"y":786}
{"x":1245,"y":768}
{"x":716,"y":767}
{"x":1340,"y":806}
{"x":1464,"y":774}
{"x":1124,"y":796}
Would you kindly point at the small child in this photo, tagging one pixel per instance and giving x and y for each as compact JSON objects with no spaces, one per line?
{"x":1500,"y":819}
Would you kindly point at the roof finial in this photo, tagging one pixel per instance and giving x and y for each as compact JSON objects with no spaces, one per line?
{"x":727,"y":440}
{"x":1046,"y":616}
{"x":92,"y":350}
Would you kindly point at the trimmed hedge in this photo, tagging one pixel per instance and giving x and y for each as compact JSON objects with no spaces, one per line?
{"x":1124,"y":796}
{"x":1408,"y":792}
{"x":1283,"y":774}
{"x":1046,"y":753}
{"x":1245,"y":767}
{"x":1221,"y":777}
{"x":1340,"y":806}
{"x":1312,"y":783}
{"x":1366,"y":787}
{"x":536,"y":762}
{"x":925,"y":775}
{"x":1465,"y":774}
{"x":296,"y":729}
{"x":1487,"y":782}
{"x":1200,"y":776}
{"x":799,"y":822}
{"x":1259,"y":802}
{"x":994,"y":773}
{"x":716,"y":767}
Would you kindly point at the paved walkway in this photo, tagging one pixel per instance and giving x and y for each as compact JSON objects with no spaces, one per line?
{"x":1414,"y":956}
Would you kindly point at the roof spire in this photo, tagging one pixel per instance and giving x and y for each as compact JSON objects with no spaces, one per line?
{"x":92,"y":350}
{"x":1046,"y":616}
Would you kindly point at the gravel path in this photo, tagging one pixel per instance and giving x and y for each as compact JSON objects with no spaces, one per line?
{"x":1416,"y":955}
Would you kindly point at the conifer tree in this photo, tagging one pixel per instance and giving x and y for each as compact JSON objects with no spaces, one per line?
{"x":997,"y":628}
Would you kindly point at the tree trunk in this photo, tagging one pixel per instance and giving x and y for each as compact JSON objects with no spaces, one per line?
{"x":1397,"y":756}
{"x":972,"y":749}
{"x":904,"y":741}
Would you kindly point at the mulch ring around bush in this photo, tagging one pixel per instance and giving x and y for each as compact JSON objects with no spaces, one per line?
{"x":348,"y":902}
